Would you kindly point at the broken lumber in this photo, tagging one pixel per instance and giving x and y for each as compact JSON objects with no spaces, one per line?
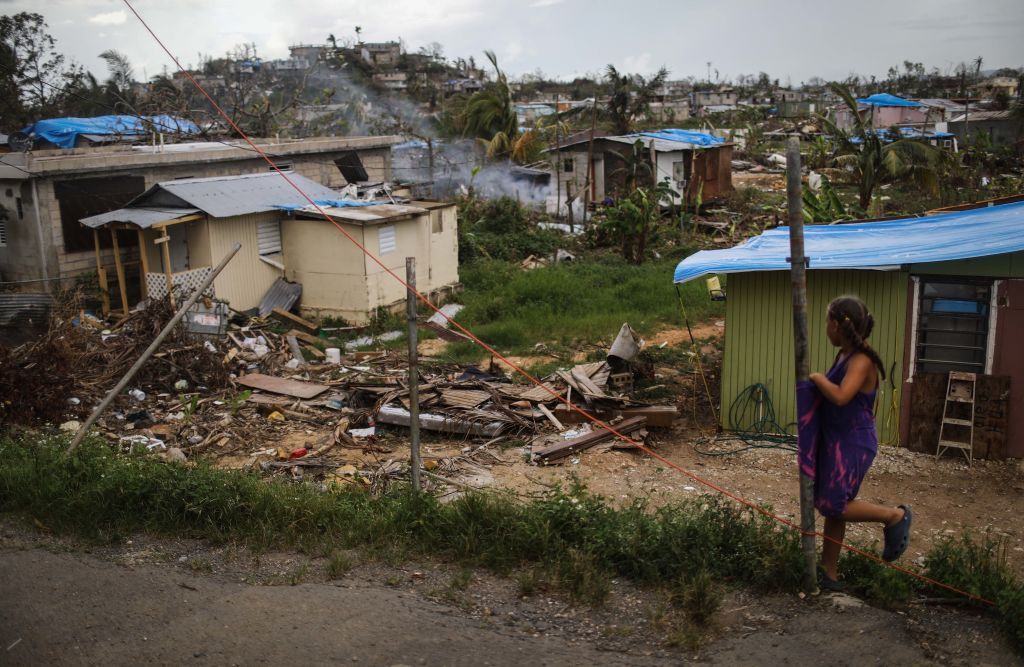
{"x":660,"y":416}
{"x":284,"y":386}
{"x":294,"y":320}
{"x":304,"y":337}
{"x":390,"y":414}
{"x":569,"y":447}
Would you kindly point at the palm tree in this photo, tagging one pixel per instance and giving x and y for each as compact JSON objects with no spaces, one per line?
{"x":490,"y":116}
{"x":631,"y":97}
{"x":118,"y":85}
{"x":872,"y":158}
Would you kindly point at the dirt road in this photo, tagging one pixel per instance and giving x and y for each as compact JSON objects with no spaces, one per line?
{"x":141,"y":603}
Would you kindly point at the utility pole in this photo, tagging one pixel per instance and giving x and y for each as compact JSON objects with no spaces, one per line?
{"x":798,"y":272}
{"x":558,"y":160}
{"x":591,"y":188}
{"x":414,"y":379}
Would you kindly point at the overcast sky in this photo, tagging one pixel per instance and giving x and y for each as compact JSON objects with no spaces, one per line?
{"x":790,"y":39}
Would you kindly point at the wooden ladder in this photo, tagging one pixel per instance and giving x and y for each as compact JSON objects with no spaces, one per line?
{"x":960,"y":393}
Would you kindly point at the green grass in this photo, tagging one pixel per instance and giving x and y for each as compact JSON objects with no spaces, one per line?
{"x":568,"y":539}
{"x":566,"y":304}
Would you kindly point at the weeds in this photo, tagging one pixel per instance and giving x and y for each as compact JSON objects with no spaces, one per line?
{"x":338,"y":564}
{"x":568,"y":538}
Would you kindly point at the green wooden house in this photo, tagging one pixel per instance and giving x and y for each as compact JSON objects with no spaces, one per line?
{"x":946,"y":291}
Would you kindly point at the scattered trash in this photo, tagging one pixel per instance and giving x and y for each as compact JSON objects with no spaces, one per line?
{"x":71,"y":426}
{"x":275,"y":416}
{"x":137,"y":394}
{"x":363,"y":432}
{"x":181,"y":385}
{"x":333,"y":355}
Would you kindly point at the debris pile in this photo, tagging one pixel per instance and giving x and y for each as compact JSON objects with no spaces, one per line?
{"x":276,"y":394}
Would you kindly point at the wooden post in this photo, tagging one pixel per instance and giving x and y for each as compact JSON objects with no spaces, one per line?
{"x":101,"y":274}
{"x":558,"y":161}
{"x":144,"y":259}
{"x":119,"y":387}
{"x":165,"y":241}
{"x":414,"y":380}
{"x":119,"y":267}
{"x":798,"y":272}
{"x":591,"y":184}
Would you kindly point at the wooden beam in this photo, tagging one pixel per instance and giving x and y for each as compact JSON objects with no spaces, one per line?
{"x":167,"y":262}
{"x":295,"y":320}
{"x":184,"y":218}
{"x":101,"y":274}
{"x":144,"y":258}
{"x":120,"y":272}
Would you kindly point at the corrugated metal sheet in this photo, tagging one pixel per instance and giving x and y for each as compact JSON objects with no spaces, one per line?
{"x":465,"y":398}
{"x":18,"y":308}
{"x":143,"y":217}
{"x":225,"y":196}
{"x":282,"y":294}
{"x":759,"y":335}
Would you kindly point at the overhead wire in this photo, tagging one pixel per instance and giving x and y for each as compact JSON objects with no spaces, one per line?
{"x":555,"y":395}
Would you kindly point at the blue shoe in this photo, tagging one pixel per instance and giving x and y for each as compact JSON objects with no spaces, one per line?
{"x":897,"y":536}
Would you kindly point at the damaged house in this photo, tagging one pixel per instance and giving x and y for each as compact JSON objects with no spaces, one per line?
{"x":946,"y":292}
{"x":697,"y":164}
{"x":184,"y":227}
{"x":47,"y":192}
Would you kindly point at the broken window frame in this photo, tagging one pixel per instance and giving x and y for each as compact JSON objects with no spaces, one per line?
{"x":351,"y":167}
{"x":953,"y":325}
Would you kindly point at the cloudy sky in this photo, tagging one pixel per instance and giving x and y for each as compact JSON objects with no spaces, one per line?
{"x":790,"y":39}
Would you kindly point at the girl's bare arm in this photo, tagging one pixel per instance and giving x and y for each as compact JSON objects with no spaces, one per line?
{"x":857,"y":370}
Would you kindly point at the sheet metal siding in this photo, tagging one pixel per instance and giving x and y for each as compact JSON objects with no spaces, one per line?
{"x":759,"y":334}
{"x":18,"y":308}
{"x":246,"y":279}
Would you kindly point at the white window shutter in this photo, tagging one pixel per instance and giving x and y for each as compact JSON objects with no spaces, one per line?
{"x":268,"y":236}
{"x":387,"y":239}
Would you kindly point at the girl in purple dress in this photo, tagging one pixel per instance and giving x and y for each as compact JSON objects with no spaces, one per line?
{"x":845,"y":441}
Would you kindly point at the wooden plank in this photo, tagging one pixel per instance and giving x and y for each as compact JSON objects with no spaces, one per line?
{"x":660,"y":416}
{"x":570,"y":447}
{"x":119,"y":267}
{"x":305,"y":337}
{"x":101,"y":274}
{"x":315,"y":351}
{"x":167,"y":264}
{"x":295,"y":320}
{"x":144,"y":258}
{"x":551,"y":417}
{"x":284,"y":386}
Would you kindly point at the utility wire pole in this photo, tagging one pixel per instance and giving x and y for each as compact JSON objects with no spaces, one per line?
{"x":414,"y":380}
{"x":798,"y":272}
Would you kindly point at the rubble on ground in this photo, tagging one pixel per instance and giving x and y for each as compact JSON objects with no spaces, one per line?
{"x":290,"y":402}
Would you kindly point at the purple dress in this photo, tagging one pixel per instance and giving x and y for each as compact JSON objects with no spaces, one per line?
{"x":837,"y":443}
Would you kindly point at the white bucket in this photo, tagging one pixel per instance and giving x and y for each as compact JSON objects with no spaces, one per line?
{"x":333,"y":355}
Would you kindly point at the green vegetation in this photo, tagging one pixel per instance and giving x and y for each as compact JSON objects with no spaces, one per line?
{"x":568,"y":538}
{"x":501,"y":229}
{"x":587,"y":300}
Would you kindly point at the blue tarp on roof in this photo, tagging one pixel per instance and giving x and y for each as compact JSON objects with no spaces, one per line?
{"x":330,"y":203}
{"x":63,"y":132}
{"x":906,"y":132}
{"x":886,"y":100}
{"x":872,"y":245}
{"x":685,"y":136}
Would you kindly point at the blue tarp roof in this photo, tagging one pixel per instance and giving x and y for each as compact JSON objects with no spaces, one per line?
{"x":685,"y":136}
{"x":906,"y":133}
{"x":330,"y":203}
{"x":872,"y":245}
{"x":886,"y":100}
{"x":63,"y":132}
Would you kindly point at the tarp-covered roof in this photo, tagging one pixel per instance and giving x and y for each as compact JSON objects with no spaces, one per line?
{"x":142,"y":217}
{"x":886,"y":100}
{"x":666,"y":140}
{"x":691,"y":137}
{"x":943,"y":237}
{"x":64,"y":132}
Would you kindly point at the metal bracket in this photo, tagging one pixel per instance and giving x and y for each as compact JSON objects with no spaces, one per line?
{"x":807,"y":261}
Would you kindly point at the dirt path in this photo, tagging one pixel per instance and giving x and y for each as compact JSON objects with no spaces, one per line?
{"x":150,"y":601}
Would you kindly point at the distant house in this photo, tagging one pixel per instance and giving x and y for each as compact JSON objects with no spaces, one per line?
{"x":946,"y":292}
{"x":381,"y":54}
{"x":47,"y":192}
{"x":1006,"y":85}
{"x":881,"y":110}
{"x":669,"y":111}
{"x":187,"y":226}
{"x":723,"y":96}
{"x":1001,"y":128}
{"x":697,"y":164}
{"x":392,"y":80}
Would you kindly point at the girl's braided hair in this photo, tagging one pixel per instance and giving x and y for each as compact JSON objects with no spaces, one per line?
{"x":856,"y":323}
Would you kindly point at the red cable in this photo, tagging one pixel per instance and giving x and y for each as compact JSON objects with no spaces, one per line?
{"x":516,"y":368}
